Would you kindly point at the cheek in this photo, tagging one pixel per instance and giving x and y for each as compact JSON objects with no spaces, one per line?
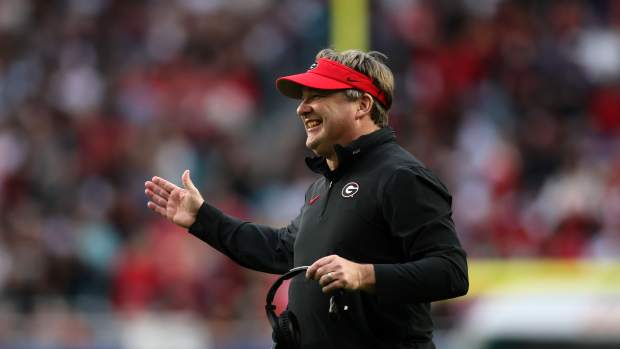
{"x":337,"y":122}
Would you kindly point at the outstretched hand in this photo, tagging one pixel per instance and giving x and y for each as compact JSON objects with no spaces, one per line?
{"x":179,"y":205}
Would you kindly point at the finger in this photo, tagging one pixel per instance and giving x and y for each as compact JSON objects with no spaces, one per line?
{"x":336,"y":285}
{"x":156,"y":198}
{"x":327,"y":279}
{"x":187,"y":181}
{"x":311,"y":273}
{"x":332,"y":266}
{"x":164,"y":184}
{"x":157,"y":208}
{"x":157,"y":189}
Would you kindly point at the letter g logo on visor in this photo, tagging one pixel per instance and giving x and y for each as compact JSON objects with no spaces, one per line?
{"x":350,"y":189}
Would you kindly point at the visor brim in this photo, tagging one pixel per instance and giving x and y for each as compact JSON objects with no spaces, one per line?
{"x":292,"y":85}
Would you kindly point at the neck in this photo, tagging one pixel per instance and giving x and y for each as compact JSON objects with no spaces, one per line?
{"x":332,"y":159}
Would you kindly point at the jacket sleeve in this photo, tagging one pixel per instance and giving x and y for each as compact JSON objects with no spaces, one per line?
{"x":251,"y":245}
{"x":417,"y":207}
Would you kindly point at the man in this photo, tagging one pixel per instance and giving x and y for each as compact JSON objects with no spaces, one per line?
{"x":377,"y":224}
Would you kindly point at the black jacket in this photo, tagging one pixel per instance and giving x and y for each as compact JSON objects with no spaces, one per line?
{"x":380,"y":206}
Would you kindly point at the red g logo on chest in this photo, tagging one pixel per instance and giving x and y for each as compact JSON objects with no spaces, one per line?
{"x":350,"y":189}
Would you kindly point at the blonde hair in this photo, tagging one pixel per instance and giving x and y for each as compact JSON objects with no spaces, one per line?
{"x":372,"y":65}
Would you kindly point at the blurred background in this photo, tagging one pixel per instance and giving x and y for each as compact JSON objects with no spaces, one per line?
{"x":514,"y":104}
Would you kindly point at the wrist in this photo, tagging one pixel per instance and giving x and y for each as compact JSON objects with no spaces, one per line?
{"x":367,"y":278}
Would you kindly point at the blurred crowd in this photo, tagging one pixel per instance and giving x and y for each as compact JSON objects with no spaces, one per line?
{"x":515,"y":104}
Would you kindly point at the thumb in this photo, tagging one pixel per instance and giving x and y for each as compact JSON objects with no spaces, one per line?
{"x":187,"y":182}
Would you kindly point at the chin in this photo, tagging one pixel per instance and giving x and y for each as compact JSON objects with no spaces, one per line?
{"x":319,"y":146}
{"x":319,"y":149}
{"x":313,"y":145}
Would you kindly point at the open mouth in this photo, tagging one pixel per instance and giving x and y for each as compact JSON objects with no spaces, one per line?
{"x":313,"y":123}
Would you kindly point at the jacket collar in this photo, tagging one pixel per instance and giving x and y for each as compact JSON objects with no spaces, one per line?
{"x":347,"y":154}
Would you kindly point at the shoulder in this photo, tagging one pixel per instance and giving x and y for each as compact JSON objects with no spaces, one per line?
{"x":399,"y":170}
{"x":391,"y":156}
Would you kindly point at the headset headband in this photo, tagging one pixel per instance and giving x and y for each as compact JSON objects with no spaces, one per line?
{"x":288,"y":275}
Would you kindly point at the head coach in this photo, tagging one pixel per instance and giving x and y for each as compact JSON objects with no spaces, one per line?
{"x":376,"y":226}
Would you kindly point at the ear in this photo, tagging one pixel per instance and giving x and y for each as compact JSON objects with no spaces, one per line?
{"x":364,"y":106}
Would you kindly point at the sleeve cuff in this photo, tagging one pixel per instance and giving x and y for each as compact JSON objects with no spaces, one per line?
{"x":207,"y":219}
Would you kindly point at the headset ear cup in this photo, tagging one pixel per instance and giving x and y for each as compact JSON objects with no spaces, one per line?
{"x":288,"y":331}
{"x":285,"y":327}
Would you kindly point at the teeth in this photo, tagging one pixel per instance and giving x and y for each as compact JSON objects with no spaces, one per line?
{"x":312,"y":123}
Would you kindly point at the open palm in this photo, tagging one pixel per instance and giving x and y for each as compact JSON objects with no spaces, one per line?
{"x":179,"y":205}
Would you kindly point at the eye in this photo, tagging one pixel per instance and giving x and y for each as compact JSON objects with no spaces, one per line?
{"x":319,"y":95}
{"x":312,"y":96}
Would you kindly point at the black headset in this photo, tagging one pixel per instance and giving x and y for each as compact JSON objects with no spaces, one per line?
{"x":285,"y":327}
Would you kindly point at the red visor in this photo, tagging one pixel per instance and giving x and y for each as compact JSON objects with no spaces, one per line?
{"x":326,"y":74}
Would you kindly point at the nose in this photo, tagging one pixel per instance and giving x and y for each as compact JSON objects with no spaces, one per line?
{"x":303,"y":108}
